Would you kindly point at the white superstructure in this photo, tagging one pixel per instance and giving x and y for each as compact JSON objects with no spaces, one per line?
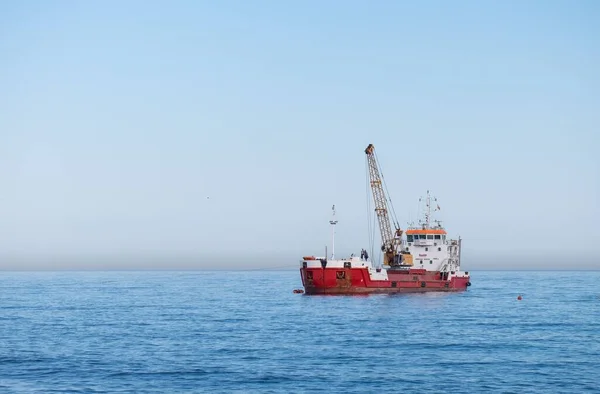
{"x":429,"y":246}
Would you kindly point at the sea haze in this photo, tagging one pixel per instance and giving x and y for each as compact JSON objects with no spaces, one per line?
{"x":245,"y":331}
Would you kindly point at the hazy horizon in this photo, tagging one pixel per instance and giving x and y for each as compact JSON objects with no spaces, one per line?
{"x":211,"y":135}
{"x":508,"y":261}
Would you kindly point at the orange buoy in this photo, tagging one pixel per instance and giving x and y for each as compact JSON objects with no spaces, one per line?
{"x":519,"y":298}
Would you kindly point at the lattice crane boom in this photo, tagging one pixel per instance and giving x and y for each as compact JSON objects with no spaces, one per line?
{"x":391,"y":241}
{"x":380,"y":199}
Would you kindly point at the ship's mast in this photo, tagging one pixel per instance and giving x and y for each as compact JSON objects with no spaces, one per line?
{"x":388,"y":241}
{"x":427,"y":223}
{"x":333,"y":222}
{"x":428,"y":214}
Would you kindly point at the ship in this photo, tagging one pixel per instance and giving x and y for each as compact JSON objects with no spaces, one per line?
{"x":423,"y":258}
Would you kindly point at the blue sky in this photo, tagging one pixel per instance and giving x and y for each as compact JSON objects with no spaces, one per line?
{"x":119,"y":119}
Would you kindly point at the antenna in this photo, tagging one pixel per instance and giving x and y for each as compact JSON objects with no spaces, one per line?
{"x":333,"y":222}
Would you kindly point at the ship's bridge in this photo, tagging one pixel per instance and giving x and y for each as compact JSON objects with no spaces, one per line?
{"x":431,"y":249}
{"x":426,"y":237}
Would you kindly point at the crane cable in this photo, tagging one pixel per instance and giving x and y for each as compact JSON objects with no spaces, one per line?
{"x":370,"y":229}
{"x":373,"y":241}
{"x":370,"y":213}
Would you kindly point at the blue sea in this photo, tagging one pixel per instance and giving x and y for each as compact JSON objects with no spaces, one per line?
{"x":247,"y":332}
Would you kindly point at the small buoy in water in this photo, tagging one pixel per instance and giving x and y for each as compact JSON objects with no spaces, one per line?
{"x":298,"y":291}
{"x":519,"y":298}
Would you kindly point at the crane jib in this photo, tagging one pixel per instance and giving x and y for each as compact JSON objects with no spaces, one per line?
{"x":379,"y":197}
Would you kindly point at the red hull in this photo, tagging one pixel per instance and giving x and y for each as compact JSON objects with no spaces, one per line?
{"x":358,"y":281}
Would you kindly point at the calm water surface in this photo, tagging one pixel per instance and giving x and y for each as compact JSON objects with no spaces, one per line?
{"x":247,"y":332}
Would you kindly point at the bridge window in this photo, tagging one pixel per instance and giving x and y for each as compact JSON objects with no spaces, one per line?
{"x":409,"y":238}
{"x":437,"y":236}
{"x":430,"y":236}
{"x":422,"y":236}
